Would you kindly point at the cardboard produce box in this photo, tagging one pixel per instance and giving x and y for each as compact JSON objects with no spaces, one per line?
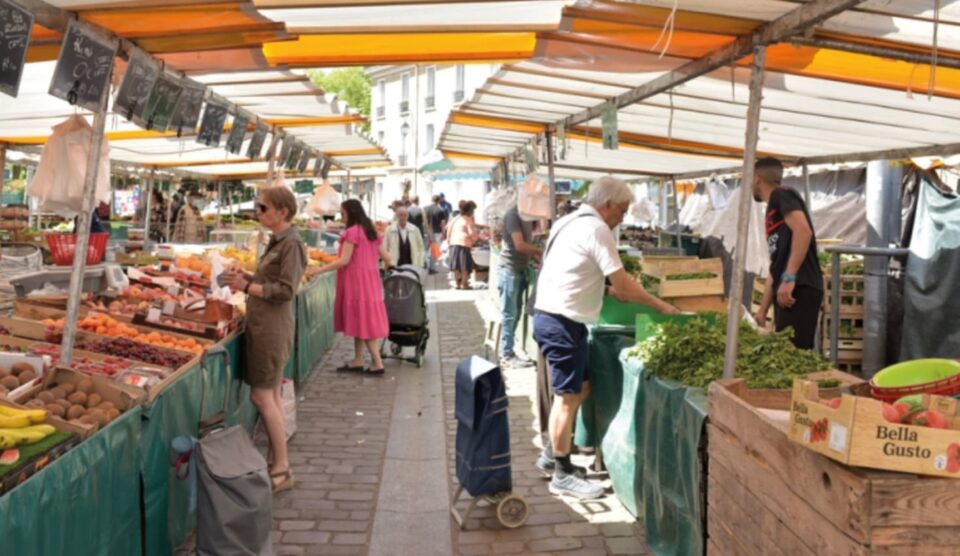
{"x":121,"y":396}
{"x":856,"y":433}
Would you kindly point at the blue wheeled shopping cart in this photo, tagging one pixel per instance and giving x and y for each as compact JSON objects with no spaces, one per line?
{"x":483,"y":444}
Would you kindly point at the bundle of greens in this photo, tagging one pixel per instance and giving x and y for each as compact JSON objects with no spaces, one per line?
{"x":630,"y":264}
{"x":692,"y":353}
{"x":691,"y":276}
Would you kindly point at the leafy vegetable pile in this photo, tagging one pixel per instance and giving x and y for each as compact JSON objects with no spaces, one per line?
{"x":692,"y":353}
{"x":630,"y":264}
{"x":691,"y":276}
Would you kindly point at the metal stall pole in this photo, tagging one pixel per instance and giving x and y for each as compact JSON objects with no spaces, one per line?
{"x":83,"y":231}
{"x":806,"y":186}
{"x":551,"y":177}
{"x":146,"y":211}
{"x":743,"y":226}
{"x":3,"y":166}
{"x":676,"y":211}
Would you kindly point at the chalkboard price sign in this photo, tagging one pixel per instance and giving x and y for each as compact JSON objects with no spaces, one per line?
{"x":285,"y":150}
{"x":211,"y":127}
{"x":256,"y":143}
{"x":187,"y":113}
{"x":304,"y":161}
{"x":142,"y":72}
{"x":294,"y":157}
{"x":84,"y":66}
{"x":327,"y":164}
{"x":318,"y":165}
{"x":163,"y":100}
{"x":237,"y":134}
{"x":16,"y":25}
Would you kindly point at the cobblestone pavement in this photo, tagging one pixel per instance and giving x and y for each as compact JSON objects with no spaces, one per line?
{"x":351,"y":429}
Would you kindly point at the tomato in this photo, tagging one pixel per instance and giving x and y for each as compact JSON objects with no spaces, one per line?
{"x":936,"y":420}
{"x":953,"y":466}
{"x":953,"y":452}
{"x":835,"y":403}
{"x":890,"y":414}
{"x":902,"y":408}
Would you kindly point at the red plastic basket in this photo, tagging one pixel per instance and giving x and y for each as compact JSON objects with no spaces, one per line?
{"x":62,"y":247}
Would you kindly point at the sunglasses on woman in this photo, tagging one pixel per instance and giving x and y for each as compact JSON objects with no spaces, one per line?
{"x":262,"y":207}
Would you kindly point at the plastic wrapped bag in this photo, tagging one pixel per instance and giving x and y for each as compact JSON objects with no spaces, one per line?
{"x":58,"y":183}
{"x":534,"y":198}
{"x":325,"y":200}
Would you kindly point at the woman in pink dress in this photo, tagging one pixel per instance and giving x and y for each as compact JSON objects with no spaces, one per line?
{"x":359,"y":310}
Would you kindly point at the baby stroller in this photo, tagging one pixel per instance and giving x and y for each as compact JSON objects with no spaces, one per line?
{"x":407,"y":314}
{"x":483,"y":444}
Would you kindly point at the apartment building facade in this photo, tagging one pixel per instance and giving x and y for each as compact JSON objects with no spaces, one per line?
{"x":409,"y":109}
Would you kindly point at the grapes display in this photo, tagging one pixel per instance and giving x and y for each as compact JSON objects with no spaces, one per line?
{"x":129,"y":349}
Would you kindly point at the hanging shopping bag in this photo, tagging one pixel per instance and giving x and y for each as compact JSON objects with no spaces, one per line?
{"x":435,"y":251}
{"x":325,"y":200}
{"x":534,"y":199}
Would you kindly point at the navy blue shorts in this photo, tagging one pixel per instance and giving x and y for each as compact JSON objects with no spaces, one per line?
{"x":563,"y":343}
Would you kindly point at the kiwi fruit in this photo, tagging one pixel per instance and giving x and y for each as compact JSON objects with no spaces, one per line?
{"x":88,"y":420}
{"x":58,"y":393}
{"x":113,"y":414}
{"x":78,"y":398}
{"x":21,"y":367}
{"x":106,"y":406}
{"x":93,"y":400}
{"x":46,"y":397}
{"x":10,"y":382}
{"x":55,"y":409}
{"x":3,"y":390}
{"x":85,"y":385}
{"x":68,"y":388}
{"x":3,"y":372}
{"x":74,"y":412}
{"x":64,"y":403}
{"x":26,"y":376}
{"x":35,"y":404}
{"x":98,"y":416}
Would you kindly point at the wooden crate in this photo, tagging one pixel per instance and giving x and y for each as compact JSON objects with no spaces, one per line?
{"x":851,"y":296}
{"x":699,"y":303}
{"x":850,"y":327}
{"x":662,"y":270}
{"x":769,"y":495}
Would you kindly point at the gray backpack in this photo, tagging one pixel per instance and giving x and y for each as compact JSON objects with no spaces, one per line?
{"x":234,"y":495}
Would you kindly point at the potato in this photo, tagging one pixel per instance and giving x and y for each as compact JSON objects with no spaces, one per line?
{"x":10,"y":382}
{"x":3,"y":372}
{"x":58,"y":393}
{"x":97,"y":416}
{"x":113,"y":414}
{"x":75,"y":412}
{"x":21,"y":367}
{"x":27,"y":376}
{"x":68,"y":388}
{"x":78,"y":398}
{"x":46,"y":397}
{"x":88,"y":420}
{"x":106,"y":406}
{"x":64,"y":403}
{"x":55,"y":409}
{"x":85,"y":385}
{"x":34,"y":404}
{"x":93,"y":400}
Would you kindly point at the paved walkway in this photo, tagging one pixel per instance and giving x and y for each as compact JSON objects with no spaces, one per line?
{"x":373,"y":460}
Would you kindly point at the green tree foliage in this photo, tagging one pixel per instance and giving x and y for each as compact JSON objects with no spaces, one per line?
{"x":350,"y":84}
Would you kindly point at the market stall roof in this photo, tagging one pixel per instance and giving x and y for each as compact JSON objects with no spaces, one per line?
{"x":818,"y":101}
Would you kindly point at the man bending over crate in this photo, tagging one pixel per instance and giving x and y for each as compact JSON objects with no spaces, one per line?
{"x":580,"y":254}
{"x":795,"y":276}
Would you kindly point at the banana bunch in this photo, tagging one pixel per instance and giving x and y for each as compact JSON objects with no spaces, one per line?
{"x":22,"y":426}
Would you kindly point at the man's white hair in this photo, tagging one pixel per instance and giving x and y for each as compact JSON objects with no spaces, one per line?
{"x":609,"y":189}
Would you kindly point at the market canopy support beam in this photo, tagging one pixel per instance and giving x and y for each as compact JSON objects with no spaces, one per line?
{"x":778,"y":30}
{"x":878,"y":51}
{"x":743,"y":224}
{"x":82,"y":230}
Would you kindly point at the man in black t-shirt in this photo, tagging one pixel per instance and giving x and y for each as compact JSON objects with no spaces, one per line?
{"x":795,"y":279}
{"x":435,"y":219}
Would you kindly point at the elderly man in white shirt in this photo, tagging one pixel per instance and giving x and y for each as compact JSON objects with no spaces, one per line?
{"x":580,"y":256}
{"x":403,"y":240}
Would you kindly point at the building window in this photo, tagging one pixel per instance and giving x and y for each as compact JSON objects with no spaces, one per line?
{"x":431,"y":87}
{"x":461,"y":83}
{"x":382,"y":105}
{"x":405,"y":93}
{"x":380,"y":137}
{"x":430,"y":138}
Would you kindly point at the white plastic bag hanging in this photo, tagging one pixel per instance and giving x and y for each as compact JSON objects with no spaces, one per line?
{"x":534,"y":198}
{"x":58,"y":183}
{"x":325,"y":200}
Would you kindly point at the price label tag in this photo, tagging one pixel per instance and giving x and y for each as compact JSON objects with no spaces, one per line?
{"x":173,"y":290}
{"x":153,"y":315}
{"x":169,"y":307}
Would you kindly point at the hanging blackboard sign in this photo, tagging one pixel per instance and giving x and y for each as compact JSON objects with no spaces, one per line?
{"x":84,"y":66}
{"x":142,"y":72}
{"x":256,"y":142}
{"x":285,"y":150}
{"x":163,"y":100}
{"x":187,"y":114}
{"x":304,"y":161}
{"x":211,"y":127}
{"x":318,"y":165}
{"x":237,"y":134}
{"x":272,"y":149}
{"x":294,"y":157}
{"x":16,"y":25}
{"x":327,"y":164}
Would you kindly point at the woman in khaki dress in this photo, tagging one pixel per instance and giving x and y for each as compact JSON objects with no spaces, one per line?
{"x":270,"y":324}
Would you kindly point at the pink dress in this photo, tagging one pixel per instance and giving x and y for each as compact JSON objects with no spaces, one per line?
{"x":359,"y":310}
